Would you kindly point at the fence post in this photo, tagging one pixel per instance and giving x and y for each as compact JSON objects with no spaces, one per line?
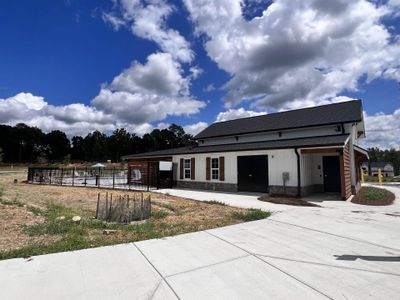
{"x":85,"y":175}
{"x":62,"y":175}
{"x":113,"y":177}
{"x":148,"y":176}
{"x":51,"y":171}
{"x":73,"y":176}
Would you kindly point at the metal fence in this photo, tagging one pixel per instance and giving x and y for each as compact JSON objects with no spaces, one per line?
{"x":96,"y":177}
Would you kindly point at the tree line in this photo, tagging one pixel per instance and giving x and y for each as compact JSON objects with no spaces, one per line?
{"x":25,"y":144}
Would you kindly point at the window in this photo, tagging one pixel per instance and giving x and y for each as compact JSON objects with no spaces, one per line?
{"x":215,"y":168}
{"x":187,"y":168}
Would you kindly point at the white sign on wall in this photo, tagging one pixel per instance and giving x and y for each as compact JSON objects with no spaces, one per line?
{"x":165,"y":165}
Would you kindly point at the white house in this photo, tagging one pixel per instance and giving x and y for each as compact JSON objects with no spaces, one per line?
{"x":387,"y":168}
{"x":296,"y":152}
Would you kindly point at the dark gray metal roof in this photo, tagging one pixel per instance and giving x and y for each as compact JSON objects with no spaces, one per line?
{"x":343,"y":112}
{"x":333,"y":140}
{"x":380,"y":164}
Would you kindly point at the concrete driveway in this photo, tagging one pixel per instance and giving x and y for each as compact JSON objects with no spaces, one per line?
{"x":339,"y":251}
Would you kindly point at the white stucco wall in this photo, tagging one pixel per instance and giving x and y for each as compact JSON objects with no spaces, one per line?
{"x":279,"y":161}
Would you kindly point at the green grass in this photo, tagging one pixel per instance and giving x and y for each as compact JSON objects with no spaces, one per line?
{"x":384,"y":179}
{"x":375,"y":194}
{"x":88,"y":233}
{"x":251,"y":215}
{"x":9,"y":202}
{"x":159,"y":214}
{"x":75,"y":235}
{"x":214,"y":202}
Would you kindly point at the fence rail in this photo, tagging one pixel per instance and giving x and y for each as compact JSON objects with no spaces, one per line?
{"x":95,"y":177}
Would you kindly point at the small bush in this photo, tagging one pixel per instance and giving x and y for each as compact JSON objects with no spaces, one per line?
{"x":251,"y":215}
{"x":159,"y":214}
{"x":373,"y":196}
{"x":214,"y":202}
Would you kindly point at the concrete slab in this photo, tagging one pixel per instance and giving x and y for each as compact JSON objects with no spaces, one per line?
{"x":243,"y":200}
{"x":339,"y":251}
{"x":337,"y":267}
{"x":340,"y":283}
{"x":244,"y":278}
{"x":196,"y":250}
{"x":115,"y":272}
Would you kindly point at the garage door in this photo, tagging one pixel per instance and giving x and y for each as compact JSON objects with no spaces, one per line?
{"x":253,"y":173}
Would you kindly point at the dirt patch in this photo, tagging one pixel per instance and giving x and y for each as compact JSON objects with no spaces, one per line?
{"x":373,"y":196}
{"x":286,"y":201}
{"x":12,"y":235}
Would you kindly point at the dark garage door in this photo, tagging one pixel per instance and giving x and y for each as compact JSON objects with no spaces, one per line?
{"x":253,"y":173}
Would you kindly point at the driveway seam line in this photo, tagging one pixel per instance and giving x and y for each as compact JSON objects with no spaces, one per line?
{"x":159,"y":273}
{"x":271,"y":265}
{"x":337,"y":235}
{"x":326,"y":265}
{"x":207,"y":266}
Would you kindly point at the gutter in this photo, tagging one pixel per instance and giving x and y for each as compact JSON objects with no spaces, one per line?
{"x":298,"y":172}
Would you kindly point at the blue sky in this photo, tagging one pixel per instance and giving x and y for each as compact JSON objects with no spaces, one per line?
{"x":194,"y":65}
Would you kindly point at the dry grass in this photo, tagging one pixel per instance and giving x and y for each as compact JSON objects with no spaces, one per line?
{"x":29,"y":218}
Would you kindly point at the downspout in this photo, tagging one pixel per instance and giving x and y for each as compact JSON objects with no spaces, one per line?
{"x":298,"y":172}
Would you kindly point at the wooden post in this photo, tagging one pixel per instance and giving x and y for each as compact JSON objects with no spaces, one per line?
{"x":97,"y":206}
{"x":62,"y":175}
{"x":148,"y":176}
{"x":113,"y":177}
{"x":85,"y":175}
{"x":73,"y":176}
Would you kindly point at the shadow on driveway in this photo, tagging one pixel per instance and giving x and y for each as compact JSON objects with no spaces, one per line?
{"x":368,"y":258}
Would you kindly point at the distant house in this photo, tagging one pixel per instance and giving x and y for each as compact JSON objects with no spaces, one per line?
{"x":296,"y":152}
{"x":387,"y":168}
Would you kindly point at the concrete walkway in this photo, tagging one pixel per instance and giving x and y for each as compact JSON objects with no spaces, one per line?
{"x":339,"y":251}
{"x":244,"y":200}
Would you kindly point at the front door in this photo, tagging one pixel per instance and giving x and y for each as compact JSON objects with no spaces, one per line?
{"x":253,"y":173}
{"x":331,"y":169}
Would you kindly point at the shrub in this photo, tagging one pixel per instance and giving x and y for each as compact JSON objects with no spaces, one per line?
{"x":251,"y":215}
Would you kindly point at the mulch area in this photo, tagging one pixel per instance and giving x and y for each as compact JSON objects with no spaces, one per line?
{"x":360,"y":198}
{"x":286,"y":201}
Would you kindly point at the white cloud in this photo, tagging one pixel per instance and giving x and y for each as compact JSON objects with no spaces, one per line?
{"x":239,"y":113}
{"x":34,"y":111}
{"x":114,"y":20}
{"x":302,"y":51}
{"x":209,"y":88}
{"x":382,"y":130}
{"x":147,"y":19}
{"x":160,"y":75}
{"x":194,"y":129}
{"x":149,"y":92}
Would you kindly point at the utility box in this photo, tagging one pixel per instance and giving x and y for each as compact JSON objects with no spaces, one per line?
{"x":285,"y":176}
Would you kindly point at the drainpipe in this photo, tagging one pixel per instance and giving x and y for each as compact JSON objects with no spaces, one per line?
{"x":298,"y":173}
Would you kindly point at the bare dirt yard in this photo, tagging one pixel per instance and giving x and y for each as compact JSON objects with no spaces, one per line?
{"x":37,"y":219}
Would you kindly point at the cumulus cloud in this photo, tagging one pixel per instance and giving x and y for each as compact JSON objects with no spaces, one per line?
{"x":302,"y":51}
{"x":147,"y":19}
{"x":383,"y":130}
{"x":35,"y":111}
{"x":239,"y":113}
{"x":149,"y":92}
{"x":194,"y":129}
